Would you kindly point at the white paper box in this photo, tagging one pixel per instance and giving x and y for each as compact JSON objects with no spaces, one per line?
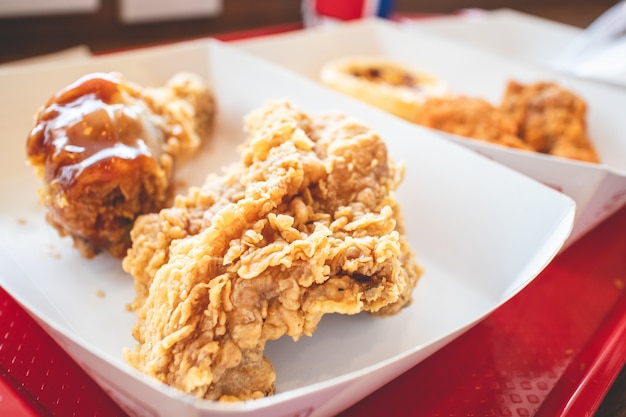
{"x":480,"y":230}
{"x":599,"y":190}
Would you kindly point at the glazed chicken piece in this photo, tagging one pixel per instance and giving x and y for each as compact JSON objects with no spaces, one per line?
{"x":304,"y":225}
{"x":107,"y":149}
{"x":550,"y":118}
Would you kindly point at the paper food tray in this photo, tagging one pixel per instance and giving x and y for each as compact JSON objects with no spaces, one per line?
{"x":598,"y":190}
{"x":481,"y":231}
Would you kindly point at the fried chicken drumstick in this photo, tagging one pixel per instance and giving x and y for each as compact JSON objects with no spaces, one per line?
{"x":106,"y":150}
{"x":306,"y":224}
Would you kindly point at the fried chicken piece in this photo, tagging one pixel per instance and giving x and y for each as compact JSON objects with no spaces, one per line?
{"x":306,"y":224}
{"x":106,"y":150}
{"x":550,"y":118}
{"x":473,"y":118}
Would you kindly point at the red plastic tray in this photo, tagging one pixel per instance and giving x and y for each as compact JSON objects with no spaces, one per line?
{"x":551,"y":351}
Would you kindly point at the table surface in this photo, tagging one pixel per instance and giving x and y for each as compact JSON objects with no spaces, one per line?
{"x":553,"y":350}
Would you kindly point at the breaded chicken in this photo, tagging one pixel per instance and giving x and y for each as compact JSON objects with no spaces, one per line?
{"x":550,"y":118}
{"x":106,"y":150}
{"x":306,"y":224}
{"x":471,"y":118}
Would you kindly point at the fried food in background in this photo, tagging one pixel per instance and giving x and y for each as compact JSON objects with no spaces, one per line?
{"x":306,"y":224}
{"x":471,"y":118}
{"x":106,"y":150}
{"x":550,"y":118}
{"x":390,"y":85}
{"x":540,"y":117}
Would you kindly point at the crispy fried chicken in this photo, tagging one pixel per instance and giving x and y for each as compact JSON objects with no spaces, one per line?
{"x":540,"y":117}
{"x":550,"y":118}
{"x":306,"y":224}
{"x":471,"y":118}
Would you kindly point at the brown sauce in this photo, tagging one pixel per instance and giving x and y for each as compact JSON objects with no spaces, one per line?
{"x":97,"y":129}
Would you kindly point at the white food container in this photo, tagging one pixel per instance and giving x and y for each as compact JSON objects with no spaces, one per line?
{"x":480,"y":230}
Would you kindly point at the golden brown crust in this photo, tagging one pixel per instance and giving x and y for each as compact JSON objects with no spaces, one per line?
{"x":471,"y":118}
{"x":306,"y":224}
{"x":541,"y":117}
{"x":550,"y":118}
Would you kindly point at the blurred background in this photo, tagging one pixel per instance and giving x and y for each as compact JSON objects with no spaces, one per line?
{"x":33,"y":27}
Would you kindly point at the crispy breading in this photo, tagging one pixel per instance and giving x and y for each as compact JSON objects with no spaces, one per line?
{"x":541,"y":117}
{"x":550,"y":118}
{"x":306,"y":224}
{"x":471,"y":118}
